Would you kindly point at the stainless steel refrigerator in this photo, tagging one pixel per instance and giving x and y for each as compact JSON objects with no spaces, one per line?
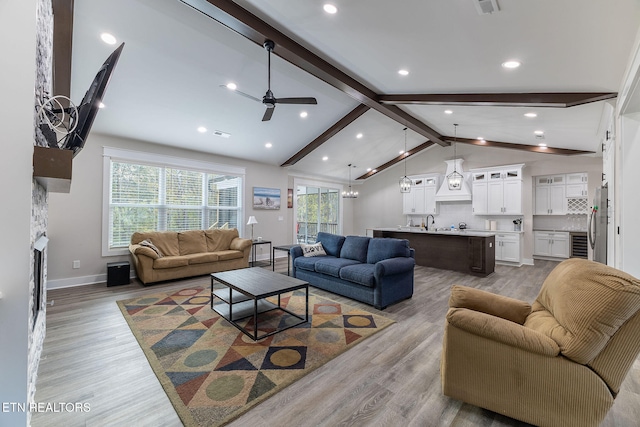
{"x":598,"y":224}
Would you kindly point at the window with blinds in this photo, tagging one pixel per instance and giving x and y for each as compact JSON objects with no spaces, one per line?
{"x":151,"y":197}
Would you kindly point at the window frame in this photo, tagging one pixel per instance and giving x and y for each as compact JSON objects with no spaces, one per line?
{"x":110,"y":154}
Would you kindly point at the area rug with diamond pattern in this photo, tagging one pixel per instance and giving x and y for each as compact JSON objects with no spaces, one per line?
{"x":213,"y":373}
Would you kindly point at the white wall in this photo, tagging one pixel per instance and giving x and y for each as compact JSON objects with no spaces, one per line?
{"x":75,"y":219}
{"x":17,"y":62}
{"x":380,"y":202}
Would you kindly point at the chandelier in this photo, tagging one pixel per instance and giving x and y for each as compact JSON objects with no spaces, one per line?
{"x":405,"y":182}
{"x":454,"y":179}
{"x":350,"y":194}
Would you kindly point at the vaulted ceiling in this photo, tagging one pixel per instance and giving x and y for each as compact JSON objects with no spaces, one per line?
{"x":179,"y":55}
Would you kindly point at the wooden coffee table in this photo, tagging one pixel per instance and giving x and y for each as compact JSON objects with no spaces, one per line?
{"x":245,"y":296}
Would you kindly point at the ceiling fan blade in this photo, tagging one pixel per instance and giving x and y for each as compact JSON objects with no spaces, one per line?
{"x":268,"y":114}
{"x":246,"y":95}
{"x":296,"y":101}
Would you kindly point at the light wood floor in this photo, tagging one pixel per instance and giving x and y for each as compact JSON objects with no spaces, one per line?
{"x":390,"y":379}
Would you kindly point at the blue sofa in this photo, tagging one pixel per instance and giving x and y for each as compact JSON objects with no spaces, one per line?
{"x":376,"y":271}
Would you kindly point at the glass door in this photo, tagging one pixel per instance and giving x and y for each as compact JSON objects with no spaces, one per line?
{"x":317,"y":209}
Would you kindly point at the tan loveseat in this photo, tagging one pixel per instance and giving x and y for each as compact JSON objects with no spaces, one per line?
{"x":167,"y":255}
{"x":558,"y":362}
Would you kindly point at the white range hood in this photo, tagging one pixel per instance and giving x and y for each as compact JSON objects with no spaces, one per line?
{"x":445,"y":194}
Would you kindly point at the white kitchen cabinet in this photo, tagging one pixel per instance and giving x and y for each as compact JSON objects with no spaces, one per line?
{"x":577,"y":185}
{"x":508,"y":247}
{"x":550,"y":196}
{"x":499,"y":189}
{"x":421,"y":200}
{"x":551,"y":244}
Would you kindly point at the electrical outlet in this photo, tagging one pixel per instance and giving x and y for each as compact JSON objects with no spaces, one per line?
{"x":76,"y":264}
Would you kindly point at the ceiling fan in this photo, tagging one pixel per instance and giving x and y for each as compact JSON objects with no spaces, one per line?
{"x":268,"y":99}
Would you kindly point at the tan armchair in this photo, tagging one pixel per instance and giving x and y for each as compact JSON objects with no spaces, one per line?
{"x":559,"y":362}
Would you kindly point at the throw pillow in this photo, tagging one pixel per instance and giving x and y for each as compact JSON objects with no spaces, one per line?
{"x":313,"y":250}
{"x":151,"y":246}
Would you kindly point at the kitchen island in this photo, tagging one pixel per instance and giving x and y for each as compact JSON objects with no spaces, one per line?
{"x":470,"y":252}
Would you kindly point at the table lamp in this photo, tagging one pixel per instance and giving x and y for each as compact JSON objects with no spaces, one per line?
{"x":252,"y":220}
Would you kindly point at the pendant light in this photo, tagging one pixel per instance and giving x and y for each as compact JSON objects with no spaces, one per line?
{"x":405,"y":182}
{"x":350,"y":194}
{"x":454,"y":179}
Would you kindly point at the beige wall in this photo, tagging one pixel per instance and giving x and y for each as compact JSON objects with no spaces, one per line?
{"x":75,"y":219}
{"x":380,"y":203}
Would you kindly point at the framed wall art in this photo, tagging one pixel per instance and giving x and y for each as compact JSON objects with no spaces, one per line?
{"x":266,"y":198}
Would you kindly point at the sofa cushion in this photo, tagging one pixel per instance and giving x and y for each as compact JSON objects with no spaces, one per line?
{"x":582,"y":304}
{"x":166,"y":241}
{"x":313,"y":250}
{"x":192,"y":242}
{"x":355,"y":247}
{"x":332,"y":243}
{"x":384,"y":248}
{"x":202,"y":258}
{"x":361,"y":274}
{"x":220,"y":240}
{"x":228,"y":254}
{"x":170,"y":262}
{"x":308,"y":263}
{"x":332,"y":266}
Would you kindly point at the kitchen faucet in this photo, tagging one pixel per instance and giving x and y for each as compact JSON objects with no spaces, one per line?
{"x":433,"y":220}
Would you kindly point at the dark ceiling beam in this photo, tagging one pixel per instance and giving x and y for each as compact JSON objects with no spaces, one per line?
{"x":521,"y":147}
{"x":328,"y":134}
{"x":396,"y":160}
{"x":250,"y":26}
{"x":544,"y":99}
{"x":62,"y":43}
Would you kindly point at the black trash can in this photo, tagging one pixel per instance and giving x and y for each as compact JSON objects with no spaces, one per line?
{"x":118,"y":273}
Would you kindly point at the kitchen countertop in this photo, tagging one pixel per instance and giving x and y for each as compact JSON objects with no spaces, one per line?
{"x":420,"y":230}
{"x":559,"y":230}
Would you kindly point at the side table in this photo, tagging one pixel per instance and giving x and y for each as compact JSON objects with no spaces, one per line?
{"x":282,"y":248}
{"x":254,"y":244}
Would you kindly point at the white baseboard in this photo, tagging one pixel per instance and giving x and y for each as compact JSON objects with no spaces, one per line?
{"x":81,"y":281}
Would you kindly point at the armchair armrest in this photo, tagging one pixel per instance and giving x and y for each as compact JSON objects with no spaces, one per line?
{"x":143,"y":250}
{"x":486,"y":302}
{"x":503,"y":331}
{"x":390,"y":266}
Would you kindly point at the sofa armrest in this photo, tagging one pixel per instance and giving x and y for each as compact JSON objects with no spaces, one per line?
{"x":502,"y":330}
{"x":240,"y":244}
{"x":397,"y":265}
{"x":143,"y":250}
{"x":295,"y":252}
{"x":487,"y":302}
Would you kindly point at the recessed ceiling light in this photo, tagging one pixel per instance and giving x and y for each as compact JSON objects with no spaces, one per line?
{"x":401,"y":151}
{"x":325,"y":158}
{"x":268,"y":145}
{"x":303,"y":114}
{"x":108,"y":38}
{"x":202,"y":129}
{"x":511,"y":64}
{"x":374,"y":170}
{"x":538,"y":132}
{"x":329,"y":8}
{"x":448,"y":112}
{"x":368,"y":169}
{"x":403,"y":72}
{"x":232,"y":86}
{"x":542,"y":145}
{"x":101,"y":105}
{"x":359,"y":136}
{"x":531,"y":115}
